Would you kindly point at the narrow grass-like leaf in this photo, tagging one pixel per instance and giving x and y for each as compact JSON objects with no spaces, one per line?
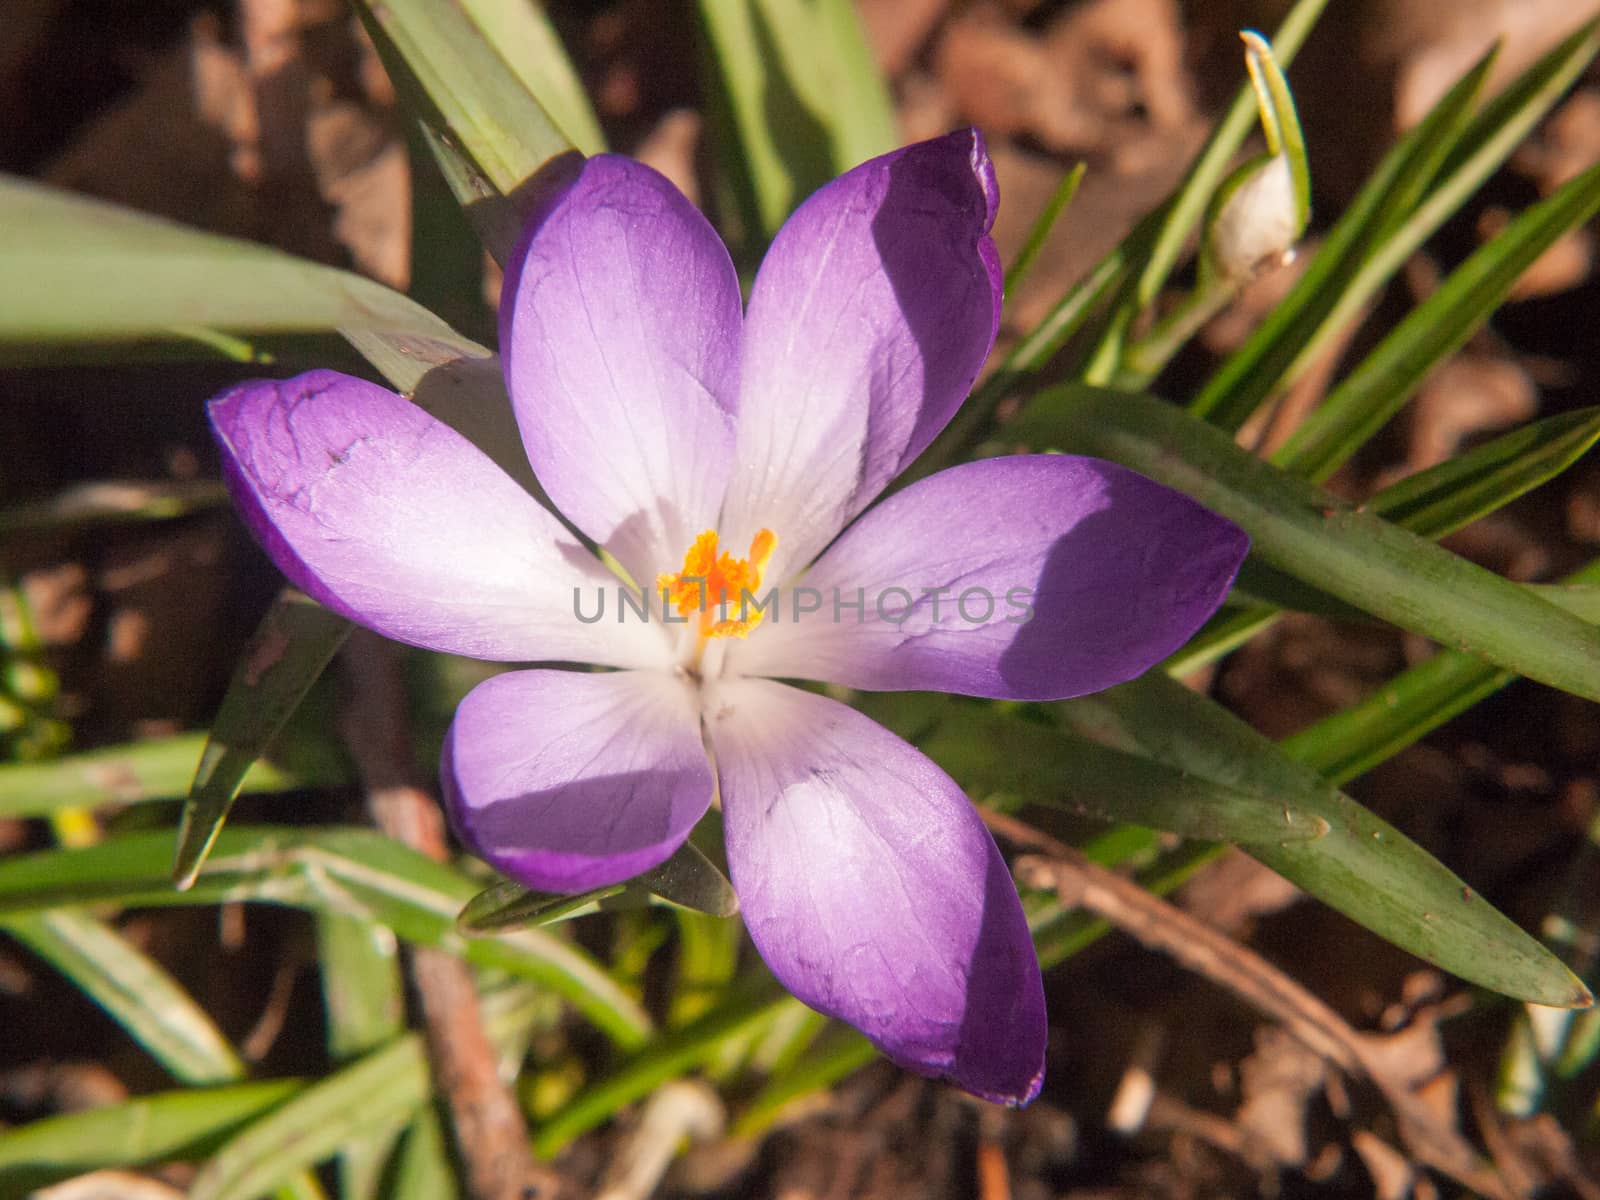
{"x":705,"y":966}
{"x":691,"y":880}
{"x":508,"y":905}
{"x":1364,"y":867}
{"x":801,"y":96}
{"x":293,"y":644}
{"x":1042,"y":225}
{"x":688,"y":879}
{"x":1139,"y":265}
{"x":1413,"y":704}
{"x":301,"y":1185}
{"x":75,"y":269}
{"x":668,"y":1056}
{"x":860,"y":111}
{"x":1510,"y":115}
{"x":788,"y":1038}
{"x":163,"y":1127}
{"x":362,"y":991}
{"x":482,"y":114}
{"x":364,"y":999}
{"x":775,"y":147}
{"x":447,"y":243}
{"x":358,"y":872}
{"x":160,"y":769}
{"x":1364,"y":402}
{"x":844,"y":1052}
{"x":495,"y":218}
{"x":991,"y":752}
{"x":457,"y":83}
{"x":1261,"y":585}
{"x":1249,"y":375}
{"x":133,"y":989}
{"x":1431,"y":503}
{"x":1458,"y":491}
{"x":1579,"y":599}
{"x":1405,"y":709}
{"x":1183,"y":213}
{"x":372,"y":1095}
{"x":1297,"y":528}
{"x":1484,"y":145}
{"x":422,"y":1168}
{"x":527,"y":43}
{"x":112,"y":502}
{"x":377,"y":1090}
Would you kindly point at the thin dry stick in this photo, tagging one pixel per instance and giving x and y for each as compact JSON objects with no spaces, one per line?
{"x":489,"y":1130}
{"x":1160,"y":926}
{"x":685,"y":1109}
{"x":994,"y":1173}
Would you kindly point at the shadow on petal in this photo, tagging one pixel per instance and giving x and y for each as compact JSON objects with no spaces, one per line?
{"x":1126,"y":586}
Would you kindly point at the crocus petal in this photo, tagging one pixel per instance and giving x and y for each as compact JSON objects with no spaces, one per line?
{"x":619,"y":331}
{"x":873,"y":890}
{"x":393,"y":519}
{"x":868,"y":322}
{"x":568,"y":781}
{"x":1036,"y":577}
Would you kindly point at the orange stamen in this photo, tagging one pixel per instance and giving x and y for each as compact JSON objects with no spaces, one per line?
{"x":719,"y":588}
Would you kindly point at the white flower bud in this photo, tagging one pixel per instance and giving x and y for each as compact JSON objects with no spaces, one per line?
{"x":1257,"y":224}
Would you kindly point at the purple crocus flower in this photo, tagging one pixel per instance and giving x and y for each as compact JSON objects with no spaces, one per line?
{"x":674,"y":428}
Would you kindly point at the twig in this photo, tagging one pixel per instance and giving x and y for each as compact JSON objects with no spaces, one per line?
{"x":685,"y":1108}
{"x":1160,"y":926}
{"x":994,"y":1173}
{"x":490,"y":1134}
{"x":258,"y":1042}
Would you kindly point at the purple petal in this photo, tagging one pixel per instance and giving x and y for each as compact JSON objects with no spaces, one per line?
{"x":619,"y":331}
{"x":568,"y":781}
{"x":393,"y":519}
{"x":869,"y":320}
{"x":873,"y":890}
{"x":1117,"y":573}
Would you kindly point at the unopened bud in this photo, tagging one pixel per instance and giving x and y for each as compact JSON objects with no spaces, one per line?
{"x":1257,"y":225}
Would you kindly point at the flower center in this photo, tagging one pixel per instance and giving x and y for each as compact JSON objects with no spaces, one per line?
{"x":719,"y":590}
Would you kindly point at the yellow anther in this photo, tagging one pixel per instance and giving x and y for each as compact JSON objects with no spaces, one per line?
{"x":719,"y":590}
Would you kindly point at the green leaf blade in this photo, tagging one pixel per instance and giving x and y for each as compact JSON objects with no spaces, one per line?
{"x":152,"y":771}
{"x":162,"y":1127}
{"x":134,"y":990}
{"x":1365,"y":401}
{"x":74,"y":269}
{"x":1442,"y":499}
{"x":382,"y":1087}
{"x":1414,"y":703}
{"x":527,"y":43}
{"x":990,"y":752}
{"x":1248,"y":376}
{"x":294,"y":643}
{"x":798,"y":98}
{"x":456,"y":82}
{"x":1364,"y":867}
{"x":1431,"y":503}
{"x":358,"y":872}
{"x":1354,"y":556}
{"x":1179,"y":221}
